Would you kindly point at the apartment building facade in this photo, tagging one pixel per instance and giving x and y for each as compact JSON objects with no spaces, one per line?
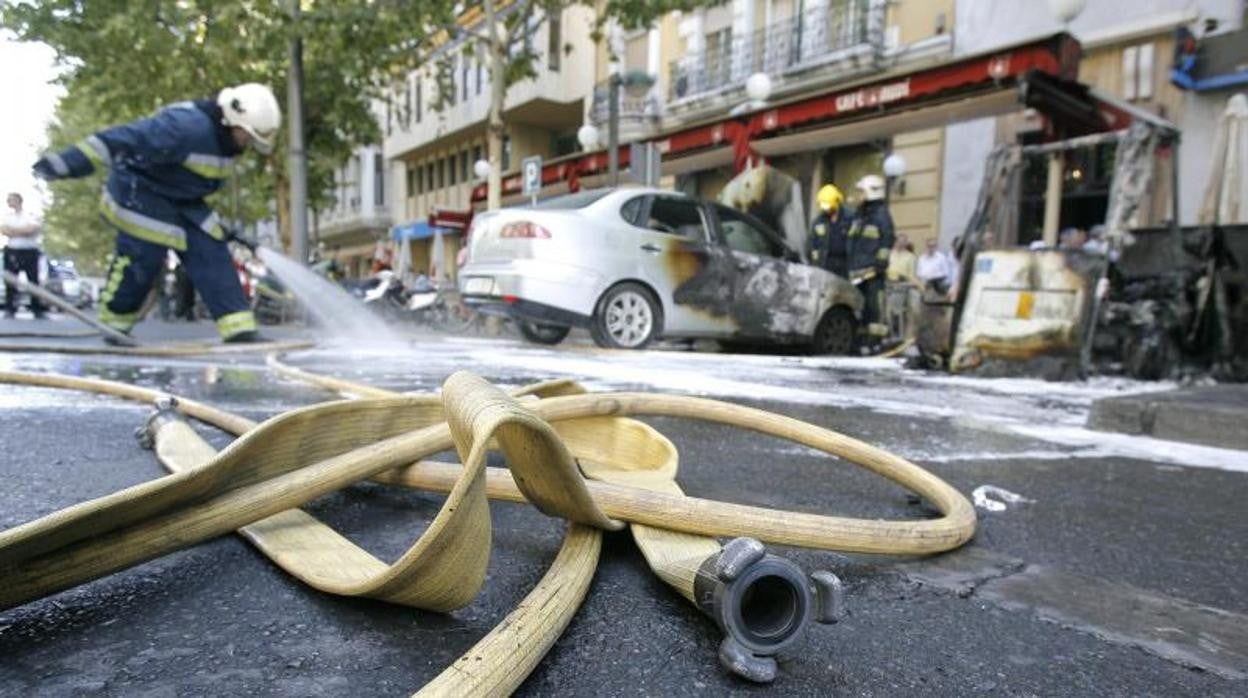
{"x":1128,"y":52}
{"x":360,"y":216}
{"x":697,"y":64}
{"x":431,"y":145}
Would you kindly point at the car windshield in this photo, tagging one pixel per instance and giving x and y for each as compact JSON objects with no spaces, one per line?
{"x":580,"y":199}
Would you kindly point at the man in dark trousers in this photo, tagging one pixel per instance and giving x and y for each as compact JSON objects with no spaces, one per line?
{"x":870,"y":242}
{"x":21,"y":254}
{"x":160,"y":170}
{"x":826,"y":246}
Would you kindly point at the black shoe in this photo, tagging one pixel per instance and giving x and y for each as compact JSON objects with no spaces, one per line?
{"x":247,"y":337}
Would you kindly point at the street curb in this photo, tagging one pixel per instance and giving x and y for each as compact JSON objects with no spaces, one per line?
{"x":1209,"y":416}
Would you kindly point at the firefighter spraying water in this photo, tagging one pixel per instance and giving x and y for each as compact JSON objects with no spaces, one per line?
{"x":160,"y":170}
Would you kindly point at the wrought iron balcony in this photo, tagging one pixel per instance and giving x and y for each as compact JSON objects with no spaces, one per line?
{"x":799,"y":42}
{"x":638,"y":101}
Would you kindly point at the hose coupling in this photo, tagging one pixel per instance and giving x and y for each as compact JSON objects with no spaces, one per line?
{"x":165,"y":412}
{"x":764,"y":604}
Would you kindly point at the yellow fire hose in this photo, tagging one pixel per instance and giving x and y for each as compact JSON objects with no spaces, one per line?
{"x":690,"y":564}
{"x":55,"y":552}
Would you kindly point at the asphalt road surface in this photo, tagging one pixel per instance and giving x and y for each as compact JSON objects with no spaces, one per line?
{"x":1121,"y":574}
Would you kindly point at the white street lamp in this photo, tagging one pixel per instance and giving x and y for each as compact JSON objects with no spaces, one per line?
{"x":758,"y":87}
{"x":481,"y":168}
{"x":894,"y":166}
{"x":588,"y":137}
{"x":1065,"y":11}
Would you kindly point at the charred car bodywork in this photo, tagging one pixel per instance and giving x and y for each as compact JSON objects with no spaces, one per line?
{"x":699,"y":269}
{"x":1177,"y":303}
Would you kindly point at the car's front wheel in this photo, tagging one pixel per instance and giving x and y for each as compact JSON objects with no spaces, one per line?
{"x":837,"y":333}
{"x":543,"y":334}
{"x":628,"y":317}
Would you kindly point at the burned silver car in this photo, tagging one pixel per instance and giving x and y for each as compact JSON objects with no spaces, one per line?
{"x":635,"y":264}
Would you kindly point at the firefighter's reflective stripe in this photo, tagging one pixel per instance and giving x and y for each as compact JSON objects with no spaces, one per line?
{"x":234,"y":323}
{"x":870,"y":232}
{"x":212,"y":226}
{"x":821,"y":229}
{"x":118,"y":321}
{"x":141,"y":226}
{"x":882,"y":254}
{"x":116,"y":271}
{"x":210,"y":166}
{"x":122,"y":322}
{"x":96,"y":151}
{"x":59,"y":166}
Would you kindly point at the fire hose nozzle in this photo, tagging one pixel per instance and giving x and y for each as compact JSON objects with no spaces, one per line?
{"x":764,"y":604}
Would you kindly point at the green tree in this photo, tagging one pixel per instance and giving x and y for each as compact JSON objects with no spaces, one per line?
{"x":124,"y":59}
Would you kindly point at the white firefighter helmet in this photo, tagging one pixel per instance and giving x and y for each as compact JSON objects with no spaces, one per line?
{"x":871,"y":187}
{"x":253,"y":108}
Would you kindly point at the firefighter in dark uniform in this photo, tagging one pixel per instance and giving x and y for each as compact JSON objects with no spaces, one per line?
{"x":826,"y":245}
{"x":870,"y":242}
{"x":160,"y":170}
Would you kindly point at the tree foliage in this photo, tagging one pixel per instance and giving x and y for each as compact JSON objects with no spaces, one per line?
{"x":124,"y":59}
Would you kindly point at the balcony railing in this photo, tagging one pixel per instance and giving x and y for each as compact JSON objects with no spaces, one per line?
{"x":638,"y":102}
{"x":792,"y":44}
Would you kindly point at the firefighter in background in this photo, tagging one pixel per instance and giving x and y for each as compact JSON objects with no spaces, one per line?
{"x":160,"y":170}
{"x":826,"y":246}
{"x":870,"y":243}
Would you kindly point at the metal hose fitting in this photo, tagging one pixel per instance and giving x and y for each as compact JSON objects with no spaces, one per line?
{"x":764,"y":604}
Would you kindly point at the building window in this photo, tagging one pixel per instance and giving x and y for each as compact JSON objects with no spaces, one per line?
{"x":554,"y":45}
{"x":1137,"y":72}
{"x":389,"y":116}
{"x":480,"y":75}
{"x":452,"y":175}
{"x":429,"y":177}
{"x":464,"y":75}
{"x":379,"y":180}
{"x":419,"y":101}
{"x":440,"y":166}
{"x":407,"y":103}
{"x":413,"y":181}
{"x":506,"y":153}
{"x":477,"y":154}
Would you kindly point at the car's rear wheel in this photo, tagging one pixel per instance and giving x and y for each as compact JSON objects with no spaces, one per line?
{"x":628,"y":317}
{"x":836,"y":334}
{"x":538,"y":333}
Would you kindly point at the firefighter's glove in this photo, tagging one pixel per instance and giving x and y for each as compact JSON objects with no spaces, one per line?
{"x":50,"y":167}
{"x":233,"y":234}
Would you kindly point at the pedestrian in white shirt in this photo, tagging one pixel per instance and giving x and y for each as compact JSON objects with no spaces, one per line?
{"x":936,"y":268}
{"x":22,"y":252}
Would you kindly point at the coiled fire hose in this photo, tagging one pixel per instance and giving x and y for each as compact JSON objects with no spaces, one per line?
{"x":715,"y":580}
{"x":340,"y":443}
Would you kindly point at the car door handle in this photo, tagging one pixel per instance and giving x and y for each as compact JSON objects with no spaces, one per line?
{"x":651,"y":247}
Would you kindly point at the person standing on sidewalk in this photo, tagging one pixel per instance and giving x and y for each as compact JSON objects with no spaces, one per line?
{"x":160,"y":170}
{"x":22,"y":253}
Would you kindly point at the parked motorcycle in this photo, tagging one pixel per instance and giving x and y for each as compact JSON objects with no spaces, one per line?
{"x":421,"y":302}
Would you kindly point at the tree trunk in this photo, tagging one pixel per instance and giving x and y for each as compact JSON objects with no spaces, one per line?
{"x":498,"y":91}
{"x":282,"y":191}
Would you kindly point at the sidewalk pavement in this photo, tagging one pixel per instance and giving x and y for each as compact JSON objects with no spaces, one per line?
{"x":1209,"y":415}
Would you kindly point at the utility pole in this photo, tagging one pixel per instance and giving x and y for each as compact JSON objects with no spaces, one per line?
{"x":613,"y":129}
{"x":298,"y":156}
{"x":495,"y":130}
